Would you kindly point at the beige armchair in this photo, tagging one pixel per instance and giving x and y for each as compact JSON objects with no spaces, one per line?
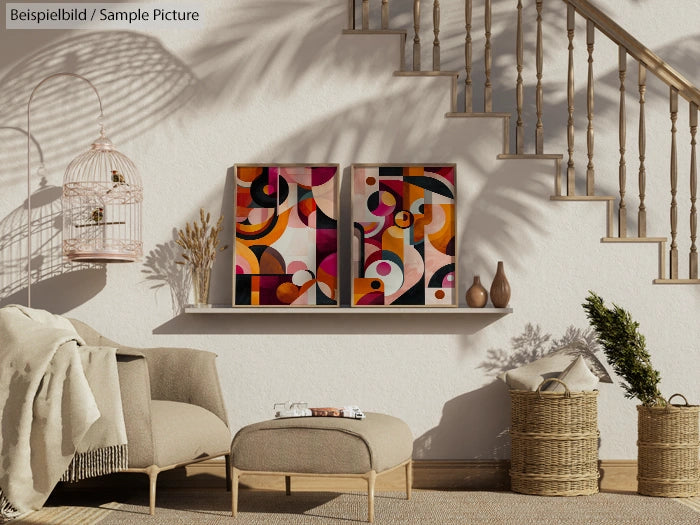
{"x":173,"y":408}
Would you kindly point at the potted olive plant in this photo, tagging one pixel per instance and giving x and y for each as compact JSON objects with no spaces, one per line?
{"x":667,"y":445}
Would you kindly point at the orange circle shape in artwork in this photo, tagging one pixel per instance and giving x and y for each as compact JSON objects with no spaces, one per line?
{"x":403,"y":219}
{"x":287,"y":293}
{"x":440,"y":294}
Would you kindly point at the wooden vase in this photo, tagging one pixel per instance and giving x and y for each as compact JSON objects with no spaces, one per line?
{"x":477,"y":294}
{"x":500,"y":288}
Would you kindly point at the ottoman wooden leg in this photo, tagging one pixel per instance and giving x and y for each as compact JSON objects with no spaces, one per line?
{"x":409,"y":478}
{"x":288,"y":485}
{"x":371,"y":478}
{"x":234,"y":491}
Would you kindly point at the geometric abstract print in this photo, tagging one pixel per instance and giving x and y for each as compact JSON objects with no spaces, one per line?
{"x":286,"y":241}
{"x":403,"y":245}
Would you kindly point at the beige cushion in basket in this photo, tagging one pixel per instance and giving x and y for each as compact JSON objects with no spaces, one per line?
{"x":577,"y":376}
{"x":529,"y":376}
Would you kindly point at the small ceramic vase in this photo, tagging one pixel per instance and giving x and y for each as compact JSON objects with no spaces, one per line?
{"x":477,"y":294}
{"x":500,"y":288}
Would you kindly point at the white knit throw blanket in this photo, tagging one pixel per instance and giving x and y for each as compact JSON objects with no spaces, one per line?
{"x":62,"y":415}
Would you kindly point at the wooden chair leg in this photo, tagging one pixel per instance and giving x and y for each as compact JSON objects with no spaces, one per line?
{"x":288,"y":485}
{"x":234,"y":491}
{"x":227,"y":457}
{"x":152,"y":479}
{"x":409,"y":478}
{"x":371,"y":478}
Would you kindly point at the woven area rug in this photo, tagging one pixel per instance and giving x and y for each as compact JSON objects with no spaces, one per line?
{"x":76,"y":514}
{"x":425,"y":507}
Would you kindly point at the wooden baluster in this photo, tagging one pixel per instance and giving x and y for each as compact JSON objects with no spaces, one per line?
{"x":488,"y":100}
{"x":385,"y":14}
{"x":642,"y":214}
{"x":365,"y":14}
{"x":519,"y":130}
{"x":693,"y":192}
{"x":674,"y":185}
{"x":416,"y":38}
{"x":590,"y":168}
{"x":539,"y":129}
{"x":622,"y":210}
{"x":468,"y":57}
{"x":436,"y":31}
{"x":570,"y":24}
{"x":351,"y":14}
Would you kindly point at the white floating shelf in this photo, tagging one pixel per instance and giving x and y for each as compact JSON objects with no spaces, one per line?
{"x":219,"y":309}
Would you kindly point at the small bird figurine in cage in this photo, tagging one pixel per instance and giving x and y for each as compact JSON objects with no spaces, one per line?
{"x":97,"y":215}
{"x":118,"y":177}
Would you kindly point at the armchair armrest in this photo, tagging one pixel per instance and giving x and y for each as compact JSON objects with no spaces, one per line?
{"x":185,"y":375}
{"x":135,"y":389}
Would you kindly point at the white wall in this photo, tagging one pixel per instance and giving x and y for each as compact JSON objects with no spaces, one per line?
{"x":277,"y":82}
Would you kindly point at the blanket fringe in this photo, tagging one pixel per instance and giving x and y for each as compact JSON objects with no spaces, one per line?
{"x":97,"y":462}
{"x":7,"y":510}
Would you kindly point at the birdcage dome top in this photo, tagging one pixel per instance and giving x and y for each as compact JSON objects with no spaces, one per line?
{"x":102,"y":143}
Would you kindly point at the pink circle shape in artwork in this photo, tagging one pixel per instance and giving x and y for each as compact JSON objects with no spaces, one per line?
{"x":448,"y":280}
{"x":296,"y":266}
{"x":383,"y":268}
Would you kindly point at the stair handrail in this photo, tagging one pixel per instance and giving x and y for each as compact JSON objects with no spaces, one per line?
{"x":636,"y":49}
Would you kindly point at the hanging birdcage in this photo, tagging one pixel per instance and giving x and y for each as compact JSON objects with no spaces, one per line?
{"x":102,"y":196}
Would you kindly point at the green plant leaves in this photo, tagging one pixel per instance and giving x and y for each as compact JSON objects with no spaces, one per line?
{"x":625,"y":349}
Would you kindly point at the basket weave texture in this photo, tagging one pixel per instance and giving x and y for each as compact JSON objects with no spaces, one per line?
{"x":554,"y":442}
{"x":667,"y":446}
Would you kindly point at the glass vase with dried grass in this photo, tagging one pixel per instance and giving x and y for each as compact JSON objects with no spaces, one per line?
{"x":201,"y":243}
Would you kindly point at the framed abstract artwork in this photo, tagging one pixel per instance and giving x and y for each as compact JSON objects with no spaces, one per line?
{"x":403,"y":235}
{"x":286,"y":235}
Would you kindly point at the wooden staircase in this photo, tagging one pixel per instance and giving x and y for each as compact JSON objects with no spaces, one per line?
{"x":565,"y":191}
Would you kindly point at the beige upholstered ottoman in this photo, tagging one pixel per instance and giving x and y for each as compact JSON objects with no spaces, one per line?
{"x":323,"y":446}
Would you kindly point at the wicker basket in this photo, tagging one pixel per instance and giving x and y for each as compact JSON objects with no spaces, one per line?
{"x":668,"y":447}
{"x":554,"y":442}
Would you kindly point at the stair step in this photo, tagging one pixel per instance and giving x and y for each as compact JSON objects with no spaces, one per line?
{"x":531,"y":156}
{"x":676,"y":281}
{"x":608,"y":199}
{"x":374,"y":32}
{"x":581,"y":198}
{"x":633,"y":239}
{"x":476,"y":115}
{"x":426,"y":73}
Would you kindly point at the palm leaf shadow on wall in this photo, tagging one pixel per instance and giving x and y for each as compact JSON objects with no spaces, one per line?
{"x":285,"y":49}
{"x":140,"y":83}
{"x":487,"y":223}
